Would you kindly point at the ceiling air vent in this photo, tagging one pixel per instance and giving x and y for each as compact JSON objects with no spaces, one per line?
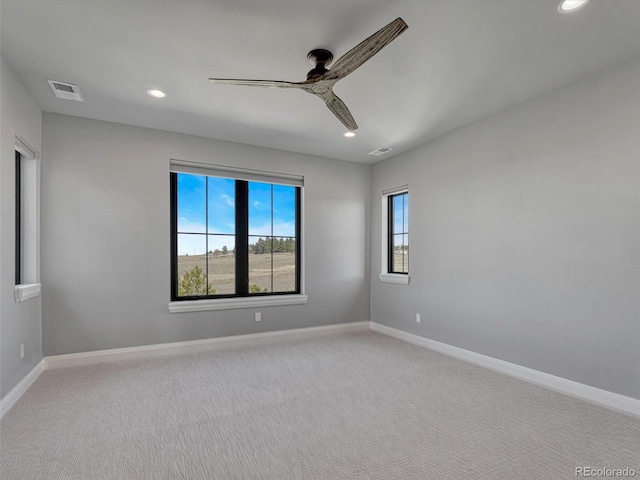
{"x":380,"y":151}
{"x":66,"y":91}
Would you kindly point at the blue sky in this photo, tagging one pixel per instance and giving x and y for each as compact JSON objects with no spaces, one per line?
{"x":271,"y":212}
{"x":401,"y":219}
{"x":401,"y":213}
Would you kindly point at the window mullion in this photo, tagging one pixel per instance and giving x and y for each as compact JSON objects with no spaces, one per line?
{"x":390,"y":250}
{"x":206,"y":234}
{"x":404,"y":231}
{"x":242,"y":237}
{"x":272,"y":238}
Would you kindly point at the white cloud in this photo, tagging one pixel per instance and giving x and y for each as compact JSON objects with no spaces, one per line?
{"x":282,"y":229}
{"x":185,"y":225}
{"x":195,"y":244}
{"x":228,"y":200}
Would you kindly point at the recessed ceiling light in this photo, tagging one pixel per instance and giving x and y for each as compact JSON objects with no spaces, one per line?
{"x":349,"y":134}
{"x":568,"y":6}
{"x":156,"y":93}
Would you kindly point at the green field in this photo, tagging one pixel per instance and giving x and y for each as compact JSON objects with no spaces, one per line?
{"x":261,"y":266}
{"x":401,"y":260}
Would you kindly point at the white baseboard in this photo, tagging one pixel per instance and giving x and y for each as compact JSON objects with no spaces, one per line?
{"x":605,"y":398}
{"x":193,"y":346}
{"x":14,"y":395}
{"x":595,"y":395}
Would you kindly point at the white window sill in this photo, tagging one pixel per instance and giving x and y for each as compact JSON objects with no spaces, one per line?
{"x":231,"y":303}
{"x":394,"y":278}
{"x":22,"y":293}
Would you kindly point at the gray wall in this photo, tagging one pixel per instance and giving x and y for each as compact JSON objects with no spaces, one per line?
{"x":525,"y":235}
{"x":105,"y":230}
{"x":19,"y":322}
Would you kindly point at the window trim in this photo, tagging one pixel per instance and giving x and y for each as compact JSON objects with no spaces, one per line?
{"x":27,"y":258}
{"x":229,"y":303}
{"x":385,"y":276}
{"x":245,"y":299}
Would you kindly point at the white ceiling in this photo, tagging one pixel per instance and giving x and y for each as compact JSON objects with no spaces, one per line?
{"x":459,"y":61}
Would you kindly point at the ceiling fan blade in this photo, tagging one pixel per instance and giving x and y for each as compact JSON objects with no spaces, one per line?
{"x":340,"y":110}
{"x":365,"y":50}
{"x":256,"y":83}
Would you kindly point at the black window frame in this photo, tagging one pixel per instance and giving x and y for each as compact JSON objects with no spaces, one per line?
{"x":391,"y":233}
{"x":241,"y":243}
{"x":18,"y":218}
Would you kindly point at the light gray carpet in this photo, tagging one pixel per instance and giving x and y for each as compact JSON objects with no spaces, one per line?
{"x":349,"y":406}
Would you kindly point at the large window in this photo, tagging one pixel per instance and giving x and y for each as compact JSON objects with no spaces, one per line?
{"x":395,"y":235}
{"x":233,"y":237}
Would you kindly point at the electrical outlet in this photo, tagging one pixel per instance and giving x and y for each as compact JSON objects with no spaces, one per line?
{"x":417,"y":318}
{"x":22,"y":350}
{"x":258,"y":316}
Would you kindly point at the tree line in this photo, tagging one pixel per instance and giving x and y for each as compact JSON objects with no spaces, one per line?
{"x":262,"y":245}
{"x":273,"y":245}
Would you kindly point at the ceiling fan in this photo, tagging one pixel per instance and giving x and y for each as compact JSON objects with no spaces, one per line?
{"x":320,"y":80}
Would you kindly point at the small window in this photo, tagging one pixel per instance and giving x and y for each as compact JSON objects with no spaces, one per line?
{"x":395,"y":235}
{"x":233,"y":237}
{"x":26,"y":222}
{"x":398,"y":242}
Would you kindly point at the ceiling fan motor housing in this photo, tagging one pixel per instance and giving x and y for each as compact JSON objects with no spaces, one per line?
{"x":320,"y":58}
